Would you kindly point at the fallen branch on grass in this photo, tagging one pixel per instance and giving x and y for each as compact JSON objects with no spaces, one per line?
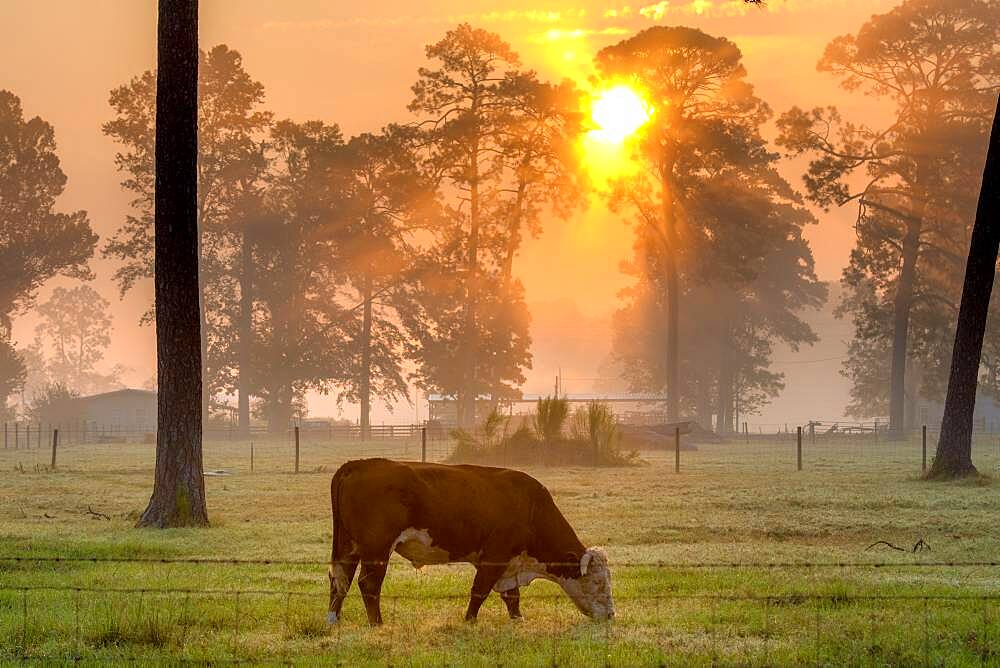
{"x":919,"y":546}
{"x":102,"y":516}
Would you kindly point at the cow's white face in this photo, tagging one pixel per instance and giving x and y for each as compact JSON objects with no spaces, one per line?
{"x":591,"y":592}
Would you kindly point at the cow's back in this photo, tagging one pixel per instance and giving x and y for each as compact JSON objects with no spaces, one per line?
{"x":463,"y":509}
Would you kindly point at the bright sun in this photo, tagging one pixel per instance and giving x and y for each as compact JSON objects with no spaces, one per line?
{"x":618,"y":112}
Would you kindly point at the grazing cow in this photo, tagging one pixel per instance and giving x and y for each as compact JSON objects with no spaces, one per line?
{"x":503,"y":522}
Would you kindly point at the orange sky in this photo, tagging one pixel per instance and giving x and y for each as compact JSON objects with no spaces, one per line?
{"x":353,"y":63}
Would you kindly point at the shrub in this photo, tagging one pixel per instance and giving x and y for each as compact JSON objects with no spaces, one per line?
{"x":550,"y":417}
{"x":596,"y":425}
{"x":594,"y":439}
{"x":487,"y":438}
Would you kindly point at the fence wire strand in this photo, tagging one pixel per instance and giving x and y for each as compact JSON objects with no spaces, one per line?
{"x":679,"y":565}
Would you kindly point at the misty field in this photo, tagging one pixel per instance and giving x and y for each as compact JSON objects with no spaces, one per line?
{"x":672,"y":539}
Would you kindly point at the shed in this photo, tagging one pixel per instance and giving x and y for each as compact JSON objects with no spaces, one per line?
{"x":124,"y":410}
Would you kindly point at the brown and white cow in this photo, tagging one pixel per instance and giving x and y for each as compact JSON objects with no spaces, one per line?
{"x":503,"y":522}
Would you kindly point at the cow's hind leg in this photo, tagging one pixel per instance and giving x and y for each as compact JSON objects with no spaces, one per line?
{"x":486,"y":577}
{"x":341,"y":575}
{"x":512,"y":599}
{"x":370,"y":584}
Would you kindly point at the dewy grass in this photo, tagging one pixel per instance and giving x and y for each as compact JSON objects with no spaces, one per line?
{"x":731,"y":503}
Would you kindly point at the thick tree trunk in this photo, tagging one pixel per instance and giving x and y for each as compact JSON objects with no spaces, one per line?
{"x":178,"y":497}
{"x":954,"y":450}
{"x":246,"y":335}
{"x":901,"y":330}
{"x":365,"y":382}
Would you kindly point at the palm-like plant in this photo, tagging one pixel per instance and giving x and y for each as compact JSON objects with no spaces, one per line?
{"x":596,"y":424}
{"x":550,"y":416}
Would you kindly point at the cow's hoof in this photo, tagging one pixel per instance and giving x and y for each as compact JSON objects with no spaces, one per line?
{"x":516,"y":618}
{"x":470,"y":620}
{"x":331,"y":618}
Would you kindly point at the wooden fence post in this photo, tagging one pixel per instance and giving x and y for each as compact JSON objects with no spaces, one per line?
{"x":17,"y":435}
{"x":798,"y":446}
{"x":39,"y":435}
{"x":746,"y":432}
{"x":923,"y":443}
{"x":251,"y":456}
{"x":4,"y":435}
{"x":296,"y":449}
{"x":55,"y":444}
{"x":423,"y":444}
{"x":677,"y":449}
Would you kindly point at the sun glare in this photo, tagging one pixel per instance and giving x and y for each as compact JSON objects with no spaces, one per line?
{"x":618,"y":112}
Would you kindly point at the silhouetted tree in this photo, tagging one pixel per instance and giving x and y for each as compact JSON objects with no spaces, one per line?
{"x":36,"y":242}
{"x":937,"y":63}
{"x":77,"y":324}
{"x":701,"y":108}
{"x":301,"y":328}
{"x":746,"y":280}
{"x":231,"y":126}
{"x":178,"y":497}
{"x":469,"y":108}
{"x":538,"y":165}
{"x":390,"y":202}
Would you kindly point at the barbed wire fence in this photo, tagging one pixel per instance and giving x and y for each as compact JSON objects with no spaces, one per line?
{"x":816,"y":446}
{"x":64,"y":622}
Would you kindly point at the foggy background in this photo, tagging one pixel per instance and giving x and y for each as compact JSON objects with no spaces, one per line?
{"x":353,"y":65}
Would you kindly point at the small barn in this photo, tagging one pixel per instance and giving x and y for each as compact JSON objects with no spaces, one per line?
{"x":122,"y":411}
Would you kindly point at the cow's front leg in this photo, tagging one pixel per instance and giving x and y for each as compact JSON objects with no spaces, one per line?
{"x":512,"y":599}
{"x":486,"y":577}
{"x":370,"y":584}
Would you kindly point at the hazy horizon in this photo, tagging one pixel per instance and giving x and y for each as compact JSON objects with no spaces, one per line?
{"x":370,"y":60}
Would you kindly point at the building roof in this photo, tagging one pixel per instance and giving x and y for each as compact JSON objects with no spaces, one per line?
{"x":119,"y":393}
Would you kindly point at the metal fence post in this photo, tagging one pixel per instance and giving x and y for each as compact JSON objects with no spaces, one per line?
{"x":923,"y":447}
{"x":798,"y":446}
{"x":17,"y":435}
{"x":55,"y":445}
{"x":423,"y":444}
{"x":296,"y":449}
{"x":677,"y":449}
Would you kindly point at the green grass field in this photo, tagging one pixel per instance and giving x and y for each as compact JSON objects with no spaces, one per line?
{"x":731,"y":503}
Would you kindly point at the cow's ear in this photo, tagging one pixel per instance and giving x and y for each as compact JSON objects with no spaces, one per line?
{"x":585,"y":561}
{"x":574,"y":561}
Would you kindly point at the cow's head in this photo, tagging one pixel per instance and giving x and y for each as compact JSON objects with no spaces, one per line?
{"x":591,"y":589}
